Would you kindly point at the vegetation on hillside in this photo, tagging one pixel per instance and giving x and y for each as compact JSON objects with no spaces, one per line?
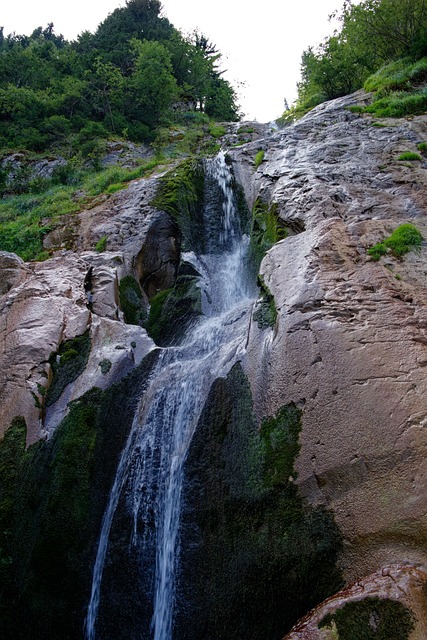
{"x":135,"y":73}
{"x":372,"y":35}
{"x":137,"y":79}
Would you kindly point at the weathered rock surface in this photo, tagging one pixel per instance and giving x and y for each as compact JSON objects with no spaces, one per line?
{"x":350,"y":339}
{"x":44,"y":304}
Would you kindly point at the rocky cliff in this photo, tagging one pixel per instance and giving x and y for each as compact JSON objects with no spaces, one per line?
{"x":346,"y":341}
{"x":349,"y":341}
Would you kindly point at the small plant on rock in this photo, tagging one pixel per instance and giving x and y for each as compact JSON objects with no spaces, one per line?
{"x":259,"y":158}
{"x":403,"y":239}
{"x":410,"y":155}
{"x":101,"y":245}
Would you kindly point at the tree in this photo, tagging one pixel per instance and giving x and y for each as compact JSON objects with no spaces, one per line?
{"x":152,"y":85}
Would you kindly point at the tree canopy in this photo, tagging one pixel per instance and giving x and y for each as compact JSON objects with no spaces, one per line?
{"x":127,"y":77}
{"x":371,"y":34}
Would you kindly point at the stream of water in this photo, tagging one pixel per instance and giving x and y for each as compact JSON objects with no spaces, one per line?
{"x":150,"y":471}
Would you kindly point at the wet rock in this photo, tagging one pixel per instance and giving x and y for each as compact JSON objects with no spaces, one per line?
{"x":349,"y":338}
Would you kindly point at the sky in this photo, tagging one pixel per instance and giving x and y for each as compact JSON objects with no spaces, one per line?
{"x":261,"y":41}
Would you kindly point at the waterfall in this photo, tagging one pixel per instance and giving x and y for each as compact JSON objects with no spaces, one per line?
{"x":150,"y":471}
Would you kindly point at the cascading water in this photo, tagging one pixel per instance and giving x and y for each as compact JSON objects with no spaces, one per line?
{"x":150,"y":472}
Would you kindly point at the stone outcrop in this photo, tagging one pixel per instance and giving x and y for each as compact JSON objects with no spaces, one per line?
{"x":44,"y":304}
{"x":349,"y":342}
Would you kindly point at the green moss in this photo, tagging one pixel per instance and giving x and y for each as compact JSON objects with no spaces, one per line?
{"x":403,"y":239}
{"x":280,"y":439}
{"x":181,"y":194}
{"x":265,"y":314}
{"x":105,"y":366}
{"x":410,"y":156}
{"x":12,"y":449}
{"x":67,"y":364}
{"x":101,"y":245}
{"x":52,"y":498}
{"x":267,"y":229}
{"x":371,"y":619}
{"x":259,"y":158}
{"x":172,"y":310}
{"x":422,"y":146}
{"x":131,"y":301}
{"x":263,"y":557}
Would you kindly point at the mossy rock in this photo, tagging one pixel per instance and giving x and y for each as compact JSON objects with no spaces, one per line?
{"x":263,"y":556}
{"x":67,"y":364}
{"x":265,"y":314}
{"x":181,"y":194}
{"x":371,"y":619}
{"x":267,"y":229}
{"x":173,"y":310}
{"x":132,"y":302}
{"x":53,"y":497}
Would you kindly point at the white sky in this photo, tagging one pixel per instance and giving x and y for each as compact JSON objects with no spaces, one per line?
{"x":261,"y":40}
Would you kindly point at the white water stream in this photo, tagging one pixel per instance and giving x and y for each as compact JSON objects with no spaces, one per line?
{"x":151,"y":465}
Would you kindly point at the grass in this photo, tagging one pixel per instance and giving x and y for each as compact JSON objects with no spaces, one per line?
{"x":101,"y":245}
{"x":26,"y":218}
{"x":400,"y":75}
{"x":410,"y":155}
{"x":403,"y":239}
{"x":398,"y":89}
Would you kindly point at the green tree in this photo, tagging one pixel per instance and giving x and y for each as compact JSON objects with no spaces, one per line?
{"x":372,"y":33}
{"x":152,"y":86}
{"x":107,"y":86}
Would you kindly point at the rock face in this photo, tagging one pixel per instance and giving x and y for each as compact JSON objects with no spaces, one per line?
{"x":44,"y":304}
{"x":349,"y":342}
